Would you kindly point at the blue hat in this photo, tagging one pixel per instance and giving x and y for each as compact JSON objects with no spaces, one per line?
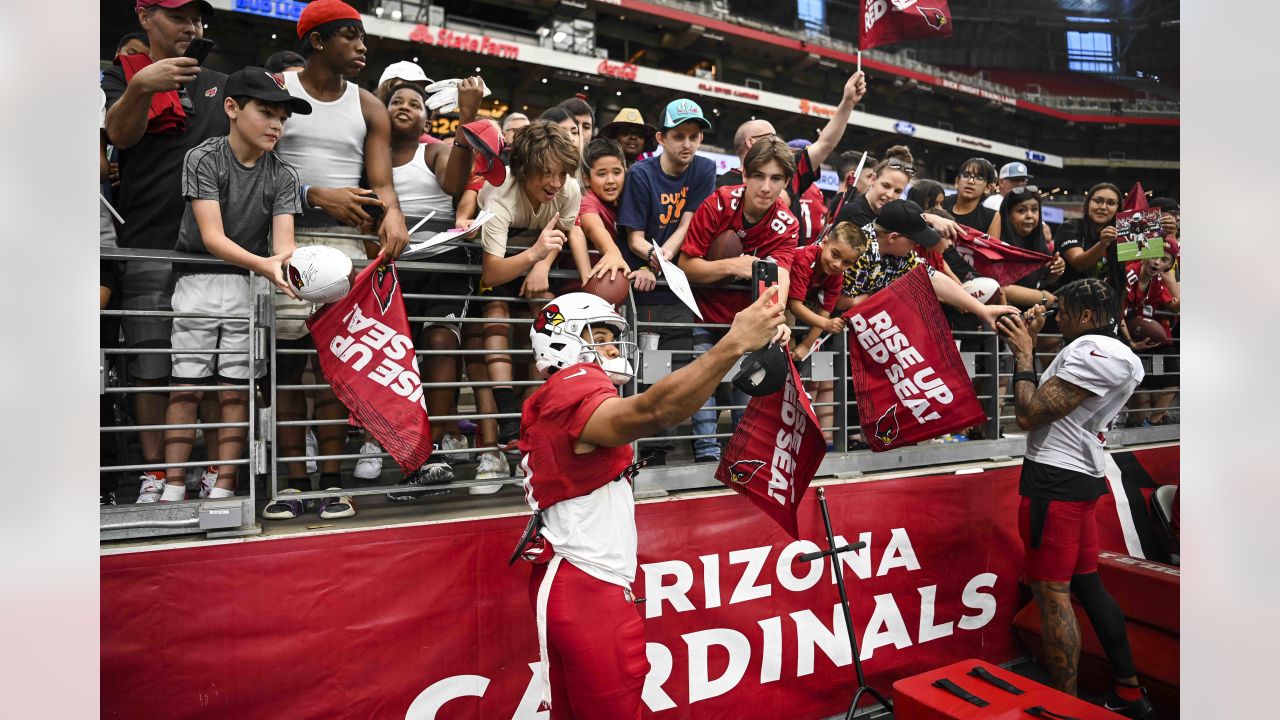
{"x":798,"y":144}
{"x":682,"y":111}
{"x":1014,"y":170}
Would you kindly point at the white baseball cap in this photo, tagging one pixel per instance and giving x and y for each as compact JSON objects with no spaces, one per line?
{"x":404,"y":70}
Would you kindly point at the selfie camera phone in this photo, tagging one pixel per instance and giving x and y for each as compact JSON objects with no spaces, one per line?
{"x":764,"y":273}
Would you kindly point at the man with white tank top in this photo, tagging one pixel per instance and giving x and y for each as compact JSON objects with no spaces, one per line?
{"x":346,"y":136}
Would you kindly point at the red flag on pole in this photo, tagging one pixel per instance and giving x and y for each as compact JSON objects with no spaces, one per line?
{"x":1136,"y":199}
{"x":366,"y":353}
{"x":891,"y":21}
{"x":775,"y":451}
{"x":910,"y":381}
{"x":997,"y":259}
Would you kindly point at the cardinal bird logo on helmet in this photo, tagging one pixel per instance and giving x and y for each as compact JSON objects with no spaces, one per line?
{"x":887,"y":426}
{"x":549,"y":317}
{"x":742,"y":471}
{"x":933,"y":16}
{"x":385,"y":282}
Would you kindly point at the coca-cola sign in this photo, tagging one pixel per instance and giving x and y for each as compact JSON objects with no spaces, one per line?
{"x":622,"y":71}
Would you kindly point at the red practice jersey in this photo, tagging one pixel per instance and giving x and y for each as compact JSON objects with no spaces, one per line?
{"x":806,"y":286}
{"x":1155,"y":297}
{"x":774,"y":236}
{"x":552,"y":420}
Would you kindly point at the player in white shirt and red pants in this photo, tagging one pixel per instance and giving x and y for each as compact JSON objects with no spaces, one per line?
{"x":1066,"y":412}
{"x":574,"y":437}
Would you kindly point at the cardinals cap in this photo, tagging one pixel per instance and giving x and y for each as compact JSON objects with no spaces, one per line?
{"x":257,"y":83}
{"x":907,"y":218}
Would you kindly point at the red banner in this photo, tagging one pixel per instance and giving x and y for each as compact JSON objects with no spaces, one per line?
{"x":891,"y":21}
{"x":775,"y":451}
{"x":427,"y":622}
{"x":997,"y":259}
{"x":910,"y":381}
{"x":366,"y":353}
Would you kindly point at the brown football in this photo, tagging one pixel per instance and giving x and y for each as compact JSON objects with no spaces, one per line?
{"x":1141,"y":328}
{"x":613,"y":291}
{"x":725,"y":245}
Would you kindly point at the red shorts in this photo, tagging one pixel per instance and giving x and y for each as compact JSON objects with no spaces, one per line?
{"x":1068,"y":543}
{"x":595,"y":651}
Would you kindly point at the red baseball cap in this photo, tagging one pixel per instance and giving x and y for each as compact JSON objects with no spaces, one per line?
{"x":323,"y":12}
{"x":173,"y":4}
{"x":1171,"y":247}
{"x":486,"y":142}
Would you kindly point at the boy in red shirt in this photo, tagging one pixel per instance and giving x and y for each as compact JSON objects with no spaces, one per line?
{"x":817,"y":273}
{"x":767,"y":229}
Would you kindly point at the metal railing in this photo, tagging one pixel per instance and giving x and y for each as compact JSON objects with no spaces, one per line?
{"x":983,"y":356}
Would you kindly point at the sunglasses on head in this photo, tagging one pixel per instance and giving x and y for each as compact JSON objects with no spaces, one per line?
{"x":1025,"y":189}
{"x":910,"y":170}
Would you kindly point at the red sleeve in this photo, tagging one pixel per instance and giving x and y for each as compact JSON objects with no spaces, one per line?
{"x":475,"y":183}
{"x":706,"y":222}
{"x":590,"y":204}
{"x":802,"y":272}
{"x":579,"y":390}
{"x":785,"y":251}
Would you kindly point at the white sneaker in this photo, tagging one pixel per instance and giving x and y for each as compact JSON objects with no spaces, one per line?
{"x":207,"y":480}
{"x":152,"y":488}
{"x":493,"y":465}
{"x":313,"y":449}
{"x":457,"y":442}
{"x":370,"y":467}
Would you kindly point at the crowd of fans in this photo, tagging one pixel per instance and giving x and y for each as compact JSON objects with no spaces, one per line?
{"x":248,"y":167}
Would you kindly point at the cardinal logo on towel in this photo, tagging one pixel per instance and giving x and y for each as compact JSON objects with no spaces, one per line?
{"x":887,"y":426}
{"x":933,"y":16}
{"x":742,"y":471}
{"x":385,"y":282}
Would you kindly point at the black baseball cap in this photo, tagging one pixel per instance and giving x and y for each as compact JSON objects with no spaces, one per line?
{"x":257,"y":83}
{"x":284,"y":59}
{"x":1166,"y":204}
{"x":907,"y":218}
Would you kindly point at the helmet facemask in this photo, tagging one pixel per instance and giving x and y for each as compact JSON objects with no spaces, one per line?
{"x":620,"y":369}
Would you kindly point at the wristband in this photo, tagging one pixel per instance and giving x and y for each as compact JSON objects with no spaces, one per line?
{"x":302,"y":195}
{"x":1027,"y":375}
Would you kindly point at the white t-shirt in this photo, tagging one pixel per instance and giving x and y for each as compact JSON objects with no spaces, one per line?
{"x":993,"y":202}
{"x":1109,"y":371}
{"x":513,"y":210}
{"x":596,"y":532}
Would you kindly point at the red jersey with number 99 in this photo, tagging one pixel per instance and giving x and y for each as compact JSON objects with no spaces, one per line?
{"x":550,"y":425}
{"x":775,"y":235}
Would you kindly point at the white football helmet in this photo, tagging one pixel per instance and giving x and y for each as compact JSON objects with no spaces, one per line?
{"x":558,"y":342}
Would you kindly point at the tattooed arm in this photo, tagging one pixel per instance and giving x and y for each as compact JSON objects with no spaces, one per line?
{"x":1036,"y":407}
{"x":1055,"y":399}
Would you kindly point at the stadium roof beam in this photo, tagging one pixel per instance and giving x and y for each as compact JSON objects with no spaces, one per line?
{"x":681,"y":39}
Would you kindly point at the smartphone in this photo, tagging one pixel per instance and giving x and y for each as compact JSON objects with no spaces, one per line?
{"x":199,"y":49}
{"x":374,"y":211}
{"x":764,"y":273}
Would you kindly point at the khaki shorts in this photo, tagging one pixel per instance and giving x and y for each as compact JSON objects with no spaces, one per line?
{"x":194,"y":338}
{"x":291,"y":315}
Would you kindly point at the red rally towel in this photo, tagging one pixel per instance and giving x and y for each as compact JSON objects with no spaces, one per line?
{"x":165,"y":115}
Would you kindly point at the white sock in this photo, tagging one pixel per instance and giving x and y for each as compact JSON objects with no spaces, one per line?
{"x":218,"y":492}
{"x":174,"y":493}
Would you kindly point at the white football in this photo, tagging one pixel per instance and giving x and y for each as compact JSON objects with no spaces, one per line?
{"x":982,"y":288}
{"x":320,"y":274}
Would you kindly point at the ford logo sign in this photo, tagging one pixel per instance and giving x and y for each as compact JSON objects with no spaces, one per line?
{"x":904,"y":127}
{"x":1034,"y":156}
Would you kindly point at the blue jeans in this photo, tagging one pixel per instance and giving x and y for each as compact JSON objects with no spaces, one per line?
{"x":705,"y":420}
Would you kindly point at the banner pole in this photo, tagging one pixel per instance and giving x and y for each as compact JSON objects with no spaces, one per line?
{"x":834,"y":553}
{"x":859,"y":61}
